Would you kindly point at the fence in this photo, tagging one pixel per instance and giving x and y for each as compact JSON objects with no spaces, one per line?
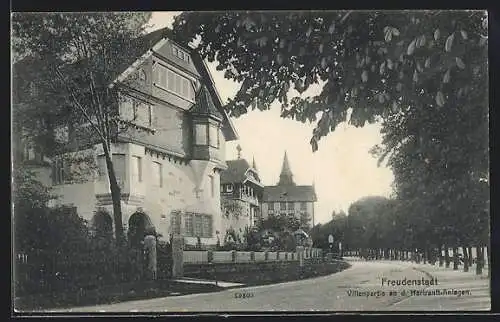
{"x":202,"y":257}
{"x":50,"y":272}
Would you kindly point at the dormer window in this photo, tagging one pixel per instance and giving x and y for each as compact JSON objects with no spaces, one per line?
{"x":171,"y":81}
{"x":229,"y":188}
{"x":181,"y":54}
{"x":142,"y":76}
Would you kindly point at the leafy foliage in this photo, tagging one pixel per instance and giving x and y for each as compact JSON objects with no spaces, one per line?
{"x":77,"y":56}
{"x":422,"y":74}
{"x":280,"y":223}
{"x":372,"y":62}
{"x":230,"y":207}
{"x":38,"y":227}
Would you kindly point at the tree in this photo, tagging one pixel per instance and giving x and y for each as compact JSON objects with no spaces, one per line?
{"x":38,"y":227}
{"x":78,"y":58}
{"x":305,"y":219}
{"x":373,"y":62}
{"x":422,"y":73}
{"x":231,"y":207}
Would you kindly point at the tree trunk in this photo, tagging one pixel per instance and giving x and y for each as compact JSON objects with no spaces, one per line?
{"x":479,"y":260}
{"x":470,"y":256}
{"x":116,"y":198}
{"x":488,"y":255}
{"x":446,"y":256}
{"x":455,"y":258}
{"x":466,"y":258}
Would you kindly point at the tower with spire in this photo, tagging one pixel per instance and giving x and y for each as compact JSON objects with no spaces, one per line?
{"x":286,"y":176}
{"x":240,"y":183}
{"x":289,"y":199}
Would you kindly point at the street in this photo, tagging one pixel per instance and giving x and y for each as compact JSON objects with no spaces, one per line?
{"x":344,"y":291}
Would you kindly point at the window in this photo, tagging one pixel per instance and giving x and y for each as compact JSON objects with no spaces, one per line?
{"x":201,"y":134}
{"x":175,"y":222}
{"x":198,"y":225}
{"x":102,"y":167}
{"x":59,"y":171}
{"x":136,"y":168}
{"x":282,"y":205}
{"x":271,"y":206}
{"x":157,"y":174}
{"x":26,"y":151}
{"x":142,"y":113}
{"x":188,"y":223}
{"x":181,"y":54}
{"x":119,"y":167}
{"x":221,"y":188}
{"x":291,"y":206}
{"x":127,"y":108}
{"x":206,"y":226}
{"x":229,"y":188}
{"x":33,"y":89}
{"x":212,"y":186}
{"x":136,"y":111}
{"x":213,"y":136}
{"x":303,"y":206}
{"x":173,"y":82}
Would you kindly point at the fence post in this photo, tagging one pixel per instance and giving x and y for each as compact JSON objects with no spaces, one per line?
{"x":266,"y":255}
{"x":177,"y":256}
{"x":210,"y":256}
{"x":300,"y":255}
{"x":277,"y":255}
{"x":252,"y":256}
{"x":233,"y":256}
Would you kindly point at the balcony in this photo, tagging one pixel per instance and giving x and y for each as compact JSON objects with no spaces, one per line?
{"x":250,"y":199}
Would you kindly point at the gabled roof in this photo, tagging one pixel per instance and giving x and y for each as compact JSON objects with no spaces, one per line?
{"x":205,"y":105}
{"x":142,"y":47}
{"x":156,"y":36}
{"x":289,"y":193}
{"x":237,"y":172}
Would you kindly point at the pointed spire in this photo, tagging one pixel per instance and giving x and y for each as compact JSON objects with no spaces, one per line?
{"x":238,"y":148}
{"x":253,"y":163}
{"x":286,"y":176}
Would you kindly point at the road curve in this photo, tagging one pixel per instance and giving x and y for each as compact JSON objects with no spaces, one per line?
{"x":326,"y":293}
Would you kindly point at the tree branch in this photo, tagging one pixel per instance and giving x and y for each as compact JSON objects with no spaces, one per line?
{"x":77,"y":104}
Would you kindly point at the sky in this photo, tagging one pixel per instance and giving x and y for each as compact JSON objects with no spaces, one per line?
{"x":342,"y":169}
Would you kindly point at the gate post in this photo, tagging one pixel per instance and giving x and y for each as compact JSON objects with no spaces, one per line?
{"x":177,"y":256}
{"x":151,"y":262}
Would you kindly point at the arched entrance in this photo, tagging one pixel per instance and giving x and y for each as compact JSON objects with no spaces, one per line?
{"x":142,"y":239}
{"x":102,"y":226}
{"x":139,"y":226}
